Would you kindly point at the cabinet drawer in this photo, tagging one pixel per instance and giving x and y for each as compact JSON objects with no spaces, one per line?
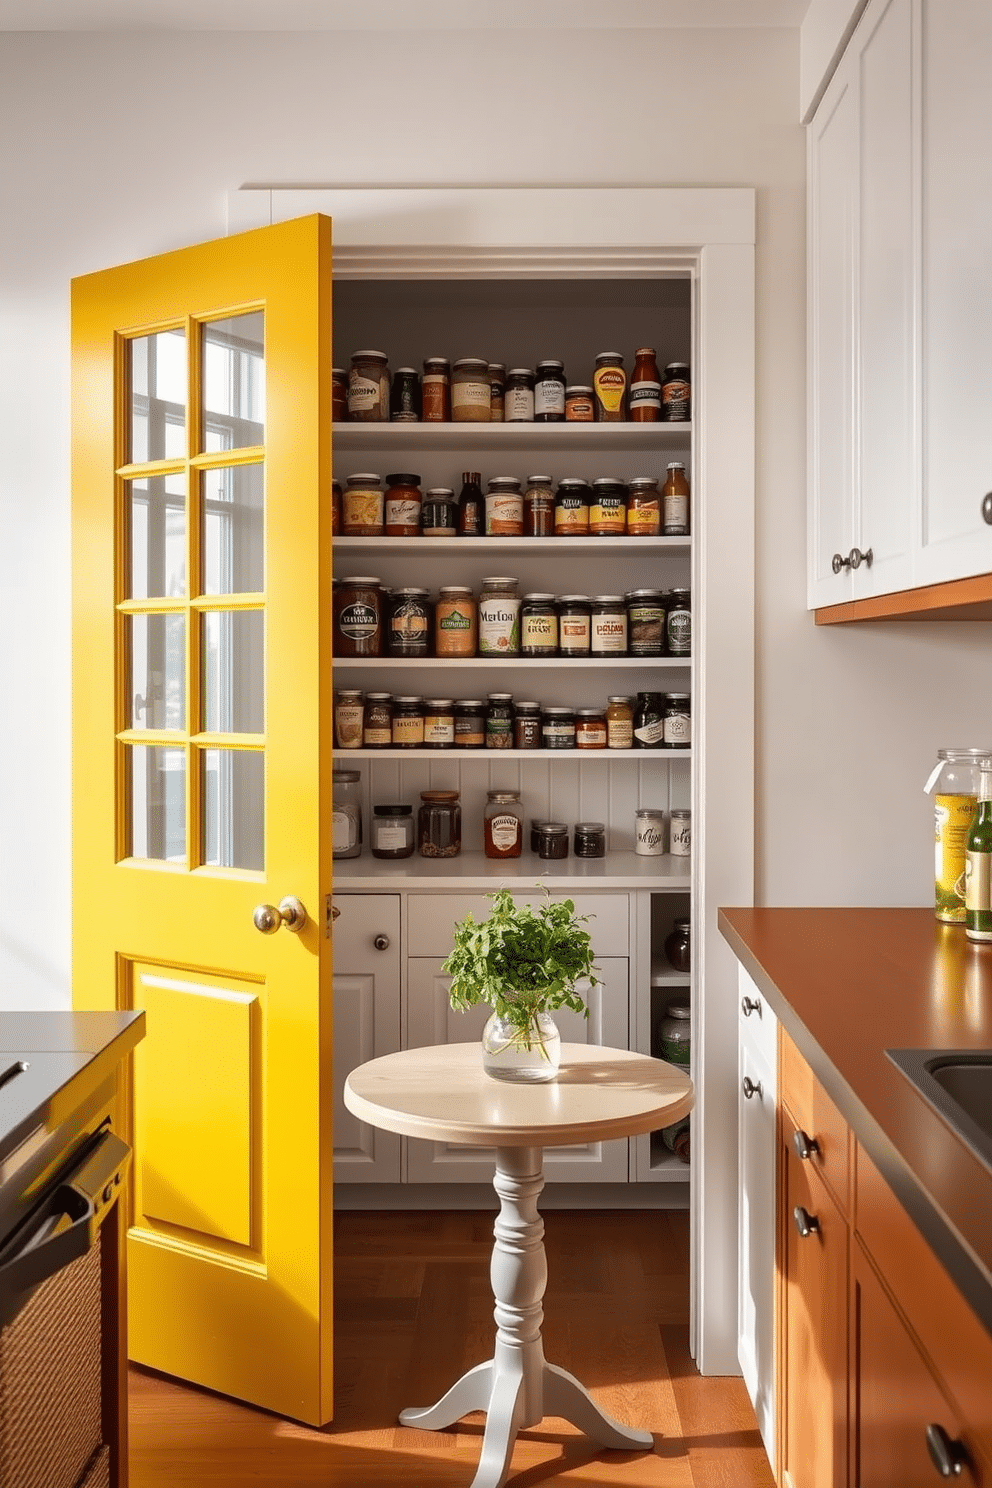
{"x":813,"y":1112}
{"x":432,"y":918}
{"x":959,"y":1347}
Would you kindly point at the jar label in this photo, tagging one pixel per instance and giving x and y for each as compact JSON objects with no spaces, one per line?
{"x":678,"y":730}
{"x":390,"y":838}
{"x":409,"y":625}
{"x":575,"y":633}
{"x":376,"y":736}
{"x":619,"y":734}
{"x":499,"y":627}
{"x":607,"y":518}
{"x":681,"y":836}
{"x":408,"y":730}
{"x":539,"y":633}
{"x":504,"y":515}
{"x":361,"y":509}
{"x":505,"y":832}
{"x":468,"y":733}
{"x":364,"y":394}
{"x":675,"y":397}
{"x":439,"y":731}
{"x":651,"y":733}
{"x":349,"y":725}
{"x":609,"y":635}
{"x":679,"y":632}
{"x":549,"y":397}
{"x":952,"y":819}
{"x":557,"y":733}
{"x":571,"y":515}
{"x":343,"y":831}
{"x":470,"y":394}
{"x":402,"y":513}
{"x":590,"y":736}
{"x":644,"y":519}
{"x":455,"y":621}
{"x":676,"y":509}
{"x":645,"y":395}
{"x":358,"y":621}
{"x":518,"y":405}
{"x":650,"y":836}
{"x":580,"y":409}
{"x":610,"y":384}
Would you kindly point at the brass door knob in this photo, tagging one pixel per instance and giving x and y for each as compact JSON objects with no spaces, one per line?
{"x":290,"y":913}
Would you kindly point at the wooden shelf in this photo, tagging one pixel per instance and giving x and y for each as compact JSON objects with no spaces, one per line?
{"x":620,"y":870}
{"x":395,"y":436}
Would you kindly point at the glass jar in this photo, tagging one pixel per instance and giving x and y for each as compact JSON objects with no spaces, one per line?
{"x":402,"y":505}
{"x":574,"y":624}
{"x":678,"y":720}
{"x":645,"y":387}
{"x":538,"y":625}
{"x":549,"y":392}
{"x":590,"y":728}
{"x":456,"y":623}
{"x":499,"y":617}
{"x":535,"y":834}
{"x":470,"y":723}
{"x":358,"y":617}
{"x":504,"y":507}
{"x":439,"y":723}
{"x":339,"y":395}
{"x":435,"y":390}
{"x":503,"y":824}
{"x":620,"y":723}
{"x":349,"y":712}
{"x":680,"y":833}
{"x":335,"y":507}
{"x":368,"y":388}
{"x":608,"y":513}
{"x":649,"y":832}
{"x":346,"y":814}
{"x":470,"y":395}
{"x":408,"y":723}
{"x":526,"y":725}
{"x":497,"y":392}
{"x":580,"y":407}
{"x":675,"y":501}
{"x":518,"y":397}
{"x":643,"y":507}
{"x":409,"y":626}
{"x":645,"y":622}
{"x":439,"y":513}
{"x":608,"y":633}
{"x":676,"y":393}
{"x":649,"y":720}
{"x":404,"y":396}
{"x":674,"y":1035}
{"x":362,"y":513}
{"x":471,"y":506}
{"x":557,"y":728}
{"x":439,"y":824}
{"x":552,"y":840}
{"x":678,"y":945}
{"x":572,"y":507}
{"x":609,"y":385}
{"x":678,"y":623}
{"x":377,"y":728}
{"x":539,"y":507}
{"x":589,"y":840}
{"x":392,"y":831}
{"x":499,"y":720}
{"x":955,"y":782}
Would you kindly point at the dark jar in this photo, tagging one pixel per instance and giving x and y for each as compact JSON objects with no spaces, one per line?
{"x":392,"y":831}
{"x":470,"y":723}
{"x":377,"y":725}
{"x":439,"y":513}
{"x":503,"y":824}
{"x":538,"y":625}
{"x":471,"y":506}
{"x":404,"y":396}
{"x":678,"y":627}
{"x":676,"y":393}
{"x":552,"y":840}
{"x":339,"y":395}
{"x":574,"y":624}
{"x":549,"y":392}
{"x":535,"y":833}
{"x":645,"y":622}
{"x":335,"y":508}
{"x":539,"y":507}
{"x":678,"y":945}
{"x":439,"y":723}
{"x":527,"y":725}
{"x":590,"y":840}
{"x":608,"y":513}
{"x":499,"y":721}
{"x":497,"y":391}
{"x":408,"y":723}
{"x":518,"y":396}
{"x":439,"y":824}
{"x":678,"y":720}
{"x":649,"y":720}
{"x":358,"y":617}
{"x":402,"y":505}
{"x":572,"y":507}
{"x":409,"y":628}
{"x":557,"y":728}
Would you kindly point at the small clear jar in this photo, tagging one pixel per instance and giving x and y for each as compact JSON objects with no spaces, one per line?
{"x":549,"y":392}
{"x":538,"y":625}
{"x":349,"y":712}
{"x":620,"y":723}
{"x":608,"y":635}
{"x":403,"y":500}
{"x":471,"y":394}
{"x":643,"y":507}
{"x":499,"y":616}
{"x":499,"y":721}
{"x":649,"y":832}
{"x":435,"y":390}
{"x":645,"y":622}
{"x":680,"y":832}
{"x":552,"y":840}
{"x":539,"y":507}
{"x":439,"y":824}
{"x":675,"y":1035}
{"x":572,"y":507}
{"x":346,"y":815}
{"x":392,"y":831}
{"x":574,"y":624}
{"x":470,"y":723}
{"x":557,"y":728}
{"x":590,"y":840}
{"x":408,"y":627}
{"x":608,"y":513}
{"x":678,"y":622}
{"x":497,"y":391}
{"x":503,"y":824}
{"x":954,"y":782}
{"x":580,"y":406}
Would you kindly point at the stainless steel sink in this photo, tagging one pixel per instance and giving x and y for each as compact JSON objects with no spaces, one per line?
{"x":958,"y":1084}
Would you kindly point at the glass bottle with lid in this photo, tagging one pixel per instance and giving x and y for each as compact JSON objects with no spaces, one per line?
{"x":439,"y":824}
{"x":392,"y":831}
{"x":549,"y":392}
{"x":402,"y":505}
{"x":645,"y":387}
{"x":643,"y":507}
{"x":609,"y":385}
{"x":503,"y":824}
{"x":368,"y":387}
{"x":539,"y":507}
{"x":538,"y":625}
{"x":471,"y":506}
{"x":954,"y":783}
{"x":436,"y":390}
{"x":362,"y":506}
{"x":675,"y":501}
{"x":346,"y":816}
{"x":675,"y":1035}
{"x":518,"y":396}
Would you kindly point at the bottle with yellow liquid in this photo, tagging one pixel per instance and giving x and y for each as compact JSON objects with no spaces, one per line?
{"x":954,"y":782}
{"x":978,"y":863}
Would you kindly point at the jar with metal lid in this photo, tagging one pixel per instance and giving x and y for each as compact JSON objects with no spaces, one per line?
{"x":402,"y":505}
{"x":678,"y":720}
{"x":609,"y":385}
{"x":504,"y":507}
{"x":518,"y":397}
{"x":335,"y":507}
{"x":358,"y":617}
{"x":552,"y":840}
{"x":408,"y":723}
{"x":645,"y":387}
{"x":572,"y":507}
{"x":470,"y":723}
{"x":675,"y":501}
{"x":404,"y":396}
{"x":455,"y":621}
{"x":580,"y":407}
{"x":574,"y":624}
{"x":439,"y":723}
{"x":471,"y":506}
{"x":392,"y":831}
{"x":590,"y":728}
{"x":346,"y":814}
{"x":362,"y":512}
{"x":649,"y":832}
{"x":377,"y":726}
{"x":539,"y":507}
{"x":549,"y":392}
{"x":589,"y":840}
{"x":678,"y":623}
{"x":608,"y":635}
{"x":439,"y":513}
{"x":497,"y":391}
{"x":499,"y":720}
{"x":470,"y":393}
{"x":674,"y":1035}
{"x":503,"y":824}
{"x":538,"y":625}
{"x":408,"y":629}
{"x":339,"y":395}
{"x":620,"y":723}
{"x":608,"y":513}
{"x":349,"y":711}
{"x":678,"y":945}
{"x":499,"y":617}
{"x":680,"y":833}
{"x":676,"y":394}
{"x":368,"y":388}
{"x":435,"y":390}
{"x":526,"y":725}
{"x":557,"y":728}
{"x":649,"y":720}
{"x":535,"y":831}
{"x":643,"y":507}
{"x":955,"y":782}
{"x":439,"y":824}
{"x":645,"y":622}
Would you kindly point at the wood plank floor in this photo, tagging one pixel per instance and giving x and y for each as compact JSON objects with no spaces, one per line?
{"x":414,"y":1309}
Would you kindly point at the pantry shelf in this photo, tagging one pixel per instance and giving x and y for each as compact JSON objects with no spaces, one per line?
{"x":493,"y":756}
{"x":474,"y":870}
{"x":551,"y":437}
{"x":591,"y":546}
{"x":448,"y":664}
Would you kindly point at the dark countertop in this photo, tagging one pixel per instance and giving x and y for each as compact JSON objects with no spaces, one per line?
{"x":847,"y":984}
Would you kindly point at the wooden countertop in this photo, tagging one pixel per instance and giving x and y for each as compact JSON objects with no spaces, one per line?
{"x":847,"y":984}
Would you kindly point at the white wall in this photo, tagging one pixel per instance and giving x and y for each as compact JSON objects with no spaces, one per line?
{"x":127,"y":146}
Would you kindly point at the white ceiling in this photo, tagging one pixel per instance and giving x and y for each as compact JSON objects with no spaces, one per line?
{"x":391,"y":15}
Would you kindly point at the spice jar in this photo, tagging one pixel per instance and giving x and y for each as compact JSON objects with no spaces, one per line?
{"x":439,"y":723}
{"x":590,"y":728}
{"x":557,"y":728}
{"x":402,"y":505}
{"x":678,"y":945}
{"x":335,"y":507}
{"x":680,"y":844}
{"x":608,"y":636}
{"x":435,"y":390}
{"x":377,"y":728}
{"x":439,"y":824}
{"x":649,"y":720}
{"x":339,"y":395}
{"x":455,"y":621}
{"x":497,"y":391}
{"x":408,"y":723}
{"x":504,"y":507}
{"x":608,"y":513}
{"x":358,"y":617}
{"x":678,"y":625}
{"x":368,"y":388}
{"x":678,"y":720}
{"x":409,"y":626}
{"x":539,"y":507}
{"x":645,"y":622}
{"x":362,"y":512}
{"x":518,"y":397}
{"x":349,"y":711}
{"x":649,"y":832}
{"x":526,"y":725}
{"x":470,"y":395}
{"x":404,"y":396}
{"x":643,"y":507}
{"x":549,"y":392}
{"x":439,"y":513}
{"x":676,"y":396}
{"x":552,"y":840}
{"x":674,"y":1035}
{"x":675,"y":501}
{"x":574,"y":624}
{"x":392,"y":831}
{"x":589,"y":840}
{"x":538,"y":625}
{"x":645,"y":387}
{"x":499,"y":721}
{"x":346,"y":814}
{"x":503,"y":824}
{"x":471,"y":506}
{"x":579,"y":405}
{"x":470,"y":723}
{"x":572,"y":507}
{"x":499,"y":617}
{"x":609,"y":384}
{"x":620,"y":724}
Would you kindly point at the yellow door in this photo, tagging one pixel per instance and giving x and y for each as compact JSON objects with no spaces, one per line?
{"x":202,"y":788}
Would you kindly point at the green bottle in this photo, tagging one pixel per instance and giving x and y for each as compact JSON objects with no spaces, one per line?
{"x":978,"y":863}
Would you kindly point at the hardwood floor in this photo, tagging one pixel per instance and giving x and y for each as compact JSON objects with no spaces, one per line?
{"x":414,"y":1309}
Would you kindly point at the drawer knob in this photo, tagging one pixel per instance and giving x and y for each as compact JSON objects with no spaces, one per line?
{"x":948,"y":1456}
{"x":750,"y":1005}
{"x":856,"y":558}
{"x":807,"y":1224}
{"x":987,"y":508}
{"x":751,"y":1087}
{"x":381,"y":942}
{"x":805,"y":1146}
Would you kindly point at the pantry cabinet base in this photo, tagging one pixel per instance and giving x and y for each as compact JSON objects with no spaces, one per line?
{"x":960,"y":599}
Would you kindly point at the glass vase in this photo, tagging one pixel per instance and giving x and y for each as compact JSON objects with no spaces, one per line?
{"x":529,"y":1054}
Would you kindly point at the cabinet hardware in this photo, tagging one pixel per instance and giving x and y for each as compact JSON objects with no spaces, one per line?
{"x":381,"y":942}
{"x":987,"y":508}
{"x":805,"y":1146}
{"x":331,"y":913}
{"x":750,"y":1005}
{"x":948,"y":1456}
{"x":807,"y":1224}
{"x":853,"y":560}
{"x":290,"y":913}
{"x":751,"y":1087}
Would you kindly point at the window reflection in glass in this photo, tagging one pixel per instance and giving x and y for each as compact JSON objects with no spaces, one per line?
{"x":158,"y":671}
{"x":233,"y":510}
{"x":158,"y":803}
{"x":158,"y":397}
{"x":233,"y":783}
{"x":233,"y":672}
{"x":158,"y":537}
{"x":234,"y":382}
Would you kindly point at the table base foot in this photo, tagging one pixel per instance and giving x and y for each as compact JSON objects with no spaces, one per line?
{"x":472,"y":1392}
{"x":565,"y":1396}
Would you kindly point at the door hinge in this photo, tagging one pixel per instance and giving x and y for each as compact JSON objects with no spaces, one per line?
{"x":331,"y":913}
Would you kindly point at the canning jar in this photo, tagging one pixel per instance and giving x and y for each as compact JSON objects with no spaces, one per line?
{"x":526,"y":725}
{"x":955,"y":782}
{"x":574,"y":624}
{"x":608,"y":634}
{"x":538,"y":625}
{"x":589,"y":840}
{"x":504,"y":507}
{"x":368,"y":388}
{"x":572,"y":507}
{"x":503,"y":824}
{"x":392,"y":831}
{"x":549,"y":392}
{"x":643,"y":507}
{"x":590,"y":728}
{"x":609,"y":385}
{"x":645,"y":387}
{"x":409,"y":626}
{"x":470,"y":723}
{"x":552,"y":840}
{"x":579,"y":405}
{"x":404,"y":396}
{"x":408,"y":723}
{"x":439,"y":723}
{"x":557,"y":728}
{"x":499,"y":617}
{"x":539,"y":507}
{"x":518,"y":396}
{"x":675,"y":501}
{"x":362,"y":513}
{"x":678,"y":945}
{"x":649,"y":832}
{"x":402,"y":505}
{"x":377,"y":727}
{"x":358,"y":617}
{"x":499,"y":720}
{"x":497,"y":391}
{"x":676,"y":395}
{"x":620,"y":723}
{"x":645,"y":622}
{"x":678,"y":623}
{"x":649,"y":720}
{"x":470,"y":394}
{"x":439,"y":513}
{"x":608,"y":513}
{"x":349,"y":712}
{"x":439,"y":824}
{"x":674,"y":1035}
{"x":435,"y":390}
{"x":339,"y":395}
{"x":680,"y":832}
{"x":678,"y":720}
{"x":346,"y":814}
{"x":455,"y":621}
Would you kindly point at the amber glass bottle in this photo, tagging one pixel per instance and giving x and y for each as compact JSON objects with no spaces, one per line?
{"x":645,"y":387}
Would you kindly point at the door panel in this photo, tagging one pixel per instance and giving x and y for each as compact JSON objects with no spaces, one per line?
{"x":366,"y":1024}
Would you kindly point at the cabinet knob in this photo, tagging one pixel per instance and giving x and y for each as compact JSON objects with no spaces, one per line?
{"x":856,"y":558}
{"x":807,"y":1224}
{"x":838,"y":562}
{"x":987,"y":508}
{"x":805,"y":1146}
{"x":750,"y":1005}
{"x":268,"y":919}
{"x":751,"y":1087}
{"x":948,"y":1456}
{"x":381,"y":942}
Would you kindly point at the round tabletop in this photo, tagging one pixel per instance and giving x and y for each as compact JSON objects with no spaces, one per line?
{"x":442,"y":1093}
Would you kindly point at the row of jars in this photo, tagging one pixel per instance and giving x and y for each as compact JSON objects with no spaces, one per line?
{"x":379,"y":720}
{"x":511,"y":507}
{"x":475,"y":390}
{"x":406,"y":622}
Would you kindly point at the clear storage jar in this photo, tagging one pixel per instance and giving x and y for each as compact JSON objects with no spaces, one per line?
{"x":954,"y":783}
{"x":346,"y":814}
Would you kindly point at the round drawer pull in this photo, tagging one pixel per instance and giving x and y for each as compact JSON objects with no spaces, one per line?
{"x":381,"y":942}
{"x":987,"y":508}
{"x":805,"y":1146}
{"x":807,"y":1224}
{"x":750,"y":1005}
{"x":947,"y":1455}
{"x":751,"y":1087}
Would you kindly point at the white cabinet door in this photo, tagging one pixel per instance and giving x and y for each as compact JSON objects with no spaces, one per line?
{"x":366,"y":1024}
{"x":431,"y":1020}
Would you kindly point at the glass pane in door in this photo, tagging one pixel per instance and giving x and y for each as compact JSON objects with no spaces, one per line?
{"x":158,"y":537}
{"x":158,"y":802}
{"x":233,"y":675}
{"x":158,"y":671}
{"x":158,"y":397}
{"x":233,"y":782}
{"x":233,"y":515}
{"x":234,"y":382}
